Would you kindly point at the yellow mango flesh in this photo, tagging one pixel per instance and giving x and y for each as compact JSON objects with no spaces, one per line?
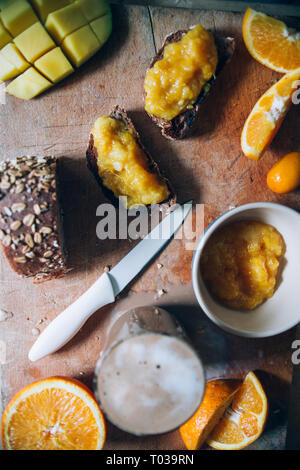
{"x":13,"y":55}
{"x":123,"y":166}
{"x":102,"y":27}
{"x":5,"y":37}
{"x":28,"y":85}
{"x":7,"y":70}
{"x":45,"y":7}
{"x":92,"y":9}
{"x":34,"y":42}
{"x":65,"y":21}
{"x":54,"y":65}
{"x":17,"y":16}
{"x":81,"y":45}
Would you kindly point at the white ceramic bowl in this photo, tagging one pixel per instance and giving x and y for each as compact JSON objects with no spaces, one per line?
{"x":280,"y":312}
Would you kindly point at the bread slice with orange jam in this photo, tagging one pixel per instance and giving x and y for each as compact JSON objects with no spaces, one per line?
{"x":178,"y":127}
{"x":122,"y":166}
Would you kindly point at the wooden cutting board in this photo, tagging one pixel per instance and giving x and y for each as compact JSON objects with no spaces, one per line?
{"x":208,"y":167}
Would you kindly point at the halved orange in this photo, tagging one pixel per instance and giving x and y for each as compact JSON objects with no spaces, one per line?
{"x":56,"y":413}
{"x":244,"y":421}
{"x":218,"y":396}
{"x":267,"y":115}
{"x":271,"y":42}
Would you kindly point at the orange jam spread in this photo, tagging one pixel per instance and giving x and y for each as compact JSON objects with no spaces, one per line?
{"x":123,"y":166}
{"x":174,"y":83}
{"x":240,"y":263}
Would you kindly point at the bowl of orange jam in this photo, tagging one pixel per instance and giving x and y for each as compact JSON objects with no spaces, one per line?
{"x":245,"y":270}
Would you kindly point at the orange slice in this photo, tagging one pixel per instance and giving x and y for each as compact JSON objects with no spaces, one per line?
{"x":53,"y":414}
{"x":271,"y":42}
{"x":244,"y":421}
{"x":218,"y":396}
{"x":267,"y":115}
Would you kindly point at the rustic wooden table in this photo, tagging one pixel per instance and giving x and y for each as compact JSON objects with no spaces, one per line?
{"x":208,"y":167}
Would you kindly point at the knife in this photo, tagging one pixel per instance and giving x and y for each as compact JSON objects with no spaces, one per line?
{"x":108,"y":286}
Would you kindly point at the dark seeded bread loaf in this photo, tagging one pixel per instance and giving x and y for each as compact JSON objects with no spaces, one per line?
{"x":91,"y":155}
{"x":178,"y":127}
{"x":29,"y":217}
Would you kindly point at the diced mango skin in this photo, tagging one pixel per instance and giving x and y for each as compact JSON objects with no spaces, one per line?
{"x":81,"y":45}
{"x":34,"y":42}
{"x":7,"y":70}
{"x":54,"y":65}
{"x":5,"y":37}
{"x":45,"y":7}
{"x":18,"y":16}
{"x":65,"y":21}
{"x":14,"y":56}
{"x":92,"y":9}
{"x":28,"y":85}
{"x":102,"y":27}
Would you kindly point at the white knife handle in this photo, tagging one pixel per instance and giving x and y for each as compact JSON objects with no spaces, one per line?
{"x":67,"y":323}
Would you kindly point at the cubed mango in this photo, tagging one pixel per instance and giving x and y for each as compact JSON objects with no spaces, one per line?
{"x":92,"y":9}
{"x":17,"y":16}
{"x":54,"y":65}
{"x":45,"y":7}
{"x":5,"y":37}
{"x":28,"y":85}
{"x":14,"y":56}
{"x":34,"y":42}
{"x":7,"y":70}
{"x":81,"y":45}
{"x":65,"y":21}
{"x":102,"y":27}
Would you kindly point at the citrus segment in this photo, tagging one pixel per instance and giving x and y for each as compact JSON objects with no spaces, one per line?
{"x":53,"y":414}
{"x":218,"y":396}
{"x":244,"y":420}
{"x":267,"y":115}
{"x":271,"y":42}
{"x":284,"y":176}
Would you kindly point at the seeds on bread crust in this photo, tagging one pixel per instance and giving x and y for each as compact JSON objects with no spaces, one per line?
{"x":28,"y":217}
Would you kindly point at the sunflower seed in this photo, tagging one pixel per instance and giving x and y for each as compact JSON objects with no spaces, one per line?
{"x":18,"y":207}
{"x":2,"y":234}
{"x":46,"y":230}
{"x":37,"y":237}
{"x":29,"y":240}
{"x":37,"y":209}
{"x":30,"y":255}
{"x":15,"y":225}
{"x":28,"y":219}
{"x":25,"y":249}
{"x":48,"y":254}
{"x":20,"y":259}
{"x":7,"y":211}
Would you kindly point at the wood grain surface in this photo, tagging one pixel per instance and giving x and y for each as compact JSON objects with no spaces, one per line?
{"x":207,"y":167}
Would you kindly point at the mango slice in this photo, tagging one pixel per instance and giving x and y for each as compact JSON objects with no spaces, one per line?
{"x":81,"y":45}
{"x":28,"y":85}
{"x":92,"y":9}
{"x":14,"y":56}
{"x":65,"y":21}
{"x":5,"y":37}
{"x":54,"y":65}
{"x":34,"y":42}
{"x":17,"y":16}
{"x":7,"y":70}
{"x":102,"y":27}
{"x":45,"y":7}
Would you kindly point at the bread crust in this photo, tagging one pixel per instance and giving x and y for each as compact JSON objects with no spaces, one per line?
{"x":178,"y":127}
{"x":30,"y":230}
{"x":92,"y":155}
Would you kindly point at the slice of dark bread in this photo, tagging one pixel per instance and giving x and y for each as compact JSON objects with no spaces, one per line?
{"x":30,"y":217}
{"x":91,"y":156}
{"x":178,"y":127}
